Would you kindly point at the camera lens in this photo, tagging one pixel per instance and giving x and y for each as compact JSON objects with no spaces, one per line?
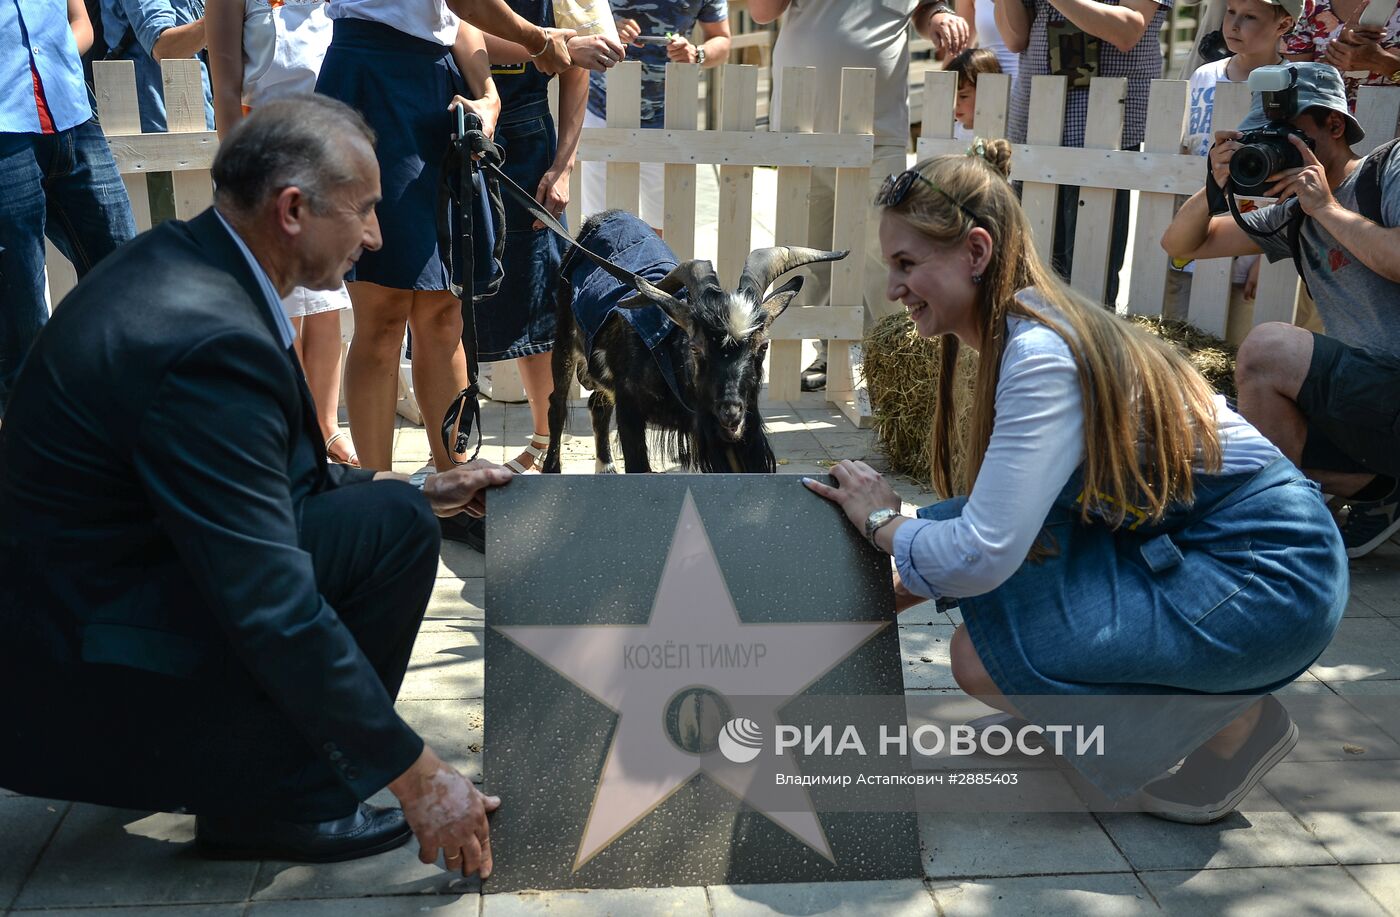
{"x":1252,"y":165}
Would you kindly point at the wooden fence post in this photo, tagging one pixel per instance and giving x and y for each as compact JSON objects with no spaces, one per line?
{"x":739,"y":113}
{"x":682,"y":114}
{"x":1093,"y":231}
{"x":791,"y":216}
{"x":183,"y":83}
{"x":1210,"y":281}
{"x":624,"y":110}
{"x":1166,"y":107}
{"x":849,"y":226}
{"x":1045,"y":127}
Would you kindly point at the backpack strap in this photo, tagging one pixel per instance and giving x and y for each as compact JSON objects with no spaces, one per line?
{"x":1295,"y":245}
{"x":1368,"y":182}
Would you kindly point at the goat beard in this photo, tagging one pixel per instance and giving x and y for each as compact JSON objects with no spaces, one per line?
{"x":713,"y":451}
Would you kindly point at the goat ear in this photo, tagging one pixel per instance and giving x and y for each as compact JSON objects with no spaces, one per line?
{"x":778,"y":302}
{"x":649,"y":294}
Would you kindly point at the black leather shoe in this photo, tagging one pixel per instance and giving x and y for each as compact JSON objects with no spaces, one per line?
{"x":469,"y":530}
{"x":814,"y":376}
{"x":369,"y":830}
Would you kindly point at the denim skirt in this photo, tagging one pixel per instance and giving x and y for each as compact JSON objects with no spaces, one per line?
{"x":519,"y":319}
{"x":401,"y":85}
{"x":1233,"y":596}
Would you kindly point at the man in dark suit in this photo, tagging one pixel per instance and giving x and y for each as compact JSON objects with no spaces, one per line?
{"x":200,"y":614}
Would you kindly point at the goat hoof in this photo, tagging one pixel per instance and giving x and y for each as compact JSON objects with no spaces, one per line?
{"x":604,"y":467}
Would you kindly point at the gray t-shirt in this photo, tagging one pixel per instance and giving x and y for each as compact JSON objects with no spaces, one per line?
{"x":1358,"y":307}
{"x":831,"y":34}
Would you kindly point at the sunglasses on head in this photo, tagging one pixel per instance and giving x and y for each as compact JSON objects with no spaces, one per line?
{"x":896,"y":188}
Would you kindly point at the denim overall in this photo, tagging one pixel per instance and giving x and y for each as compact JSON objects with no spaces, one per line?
{"x":625,"y":240}
{"x":1236,"y":594}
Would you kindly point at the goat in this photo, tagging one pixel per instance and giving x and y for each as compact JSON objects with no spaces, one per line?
{"x":688,"y":363}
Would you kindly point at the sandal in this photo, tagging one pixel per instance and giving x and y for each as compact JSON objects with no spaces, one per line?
{"x":353,"y":460}
{"x":536,"y":454}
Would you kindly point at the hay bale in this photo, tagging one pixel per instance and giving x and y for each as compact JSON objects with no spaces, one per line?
{"x":901,"y":374}
{"x":1212,"y":357}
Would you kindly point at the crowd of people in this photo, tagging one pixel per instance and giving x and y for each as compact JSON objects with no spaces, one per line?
{"x":218,"y":591}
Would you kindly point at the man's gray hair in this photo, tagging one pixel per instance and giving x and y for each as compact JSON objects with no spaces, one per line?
{"x":300,"y":140}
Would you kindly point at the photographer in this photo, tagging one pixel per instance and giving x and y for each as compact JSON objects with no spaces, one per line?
{"x":1328,"y":402}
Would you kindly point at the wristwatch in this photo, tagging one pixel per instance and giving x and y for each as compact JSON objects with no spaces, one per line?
{"x":878,"y":520}
{"x":937,"y":8}
{"x":700,"y":55}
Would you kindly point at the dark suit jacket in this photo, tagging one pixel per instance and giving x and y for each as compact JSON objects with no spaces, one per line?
{"x":154,"y":457}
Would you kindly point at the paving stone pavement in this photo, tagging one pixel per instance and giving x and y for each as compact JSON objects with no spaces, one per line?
{"x":62,"y":858}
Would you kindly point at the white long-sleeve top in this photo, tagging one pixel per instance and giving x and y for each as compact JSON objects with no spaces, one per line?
{"x":1037,"y":443}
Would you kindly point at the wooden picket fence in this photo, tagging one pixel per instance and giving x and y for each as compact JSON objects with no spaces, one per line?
{"x":1159,"y":172}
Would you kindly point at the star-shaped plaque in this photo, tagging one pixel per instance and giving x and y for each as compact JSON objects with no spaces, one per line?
{"x":638,"y":660}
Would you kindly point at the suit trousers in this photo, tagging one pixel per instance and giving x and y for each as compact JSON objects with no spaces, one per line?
{"x":217,"y":744}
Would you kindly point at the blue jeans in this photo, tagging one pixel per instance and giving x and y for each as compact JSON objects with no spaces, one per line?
{"x":64,"y":186}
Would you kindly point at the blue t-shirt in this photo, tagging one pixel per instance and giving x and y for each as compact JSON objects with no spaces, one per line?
{"x":656,"y":17}
{"x":523,"y":83}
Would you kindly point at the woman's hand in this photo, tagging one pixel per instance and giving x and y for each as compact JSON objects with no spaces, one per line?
{"x":553,"y":191}
{"x":488,"y":109}
{"x":903,"y":598}
{"x":859,"y":492}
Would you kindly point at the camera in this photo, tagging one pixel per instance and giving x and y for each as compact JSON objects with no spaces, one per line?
{"x":1267,"y":150}
{"x":1264,"y":152}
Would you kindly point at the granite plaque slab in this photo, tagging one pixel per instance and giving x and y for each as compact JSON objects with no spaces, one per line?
{"x":644,"y":634}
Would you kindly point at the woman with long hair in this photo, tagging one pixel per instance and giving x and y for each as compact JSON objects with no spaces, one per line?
{"x":1123,"y":532}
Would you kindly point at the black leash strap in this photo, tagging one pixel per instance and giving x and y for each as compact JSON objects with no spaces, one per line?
{"x":465,"y":412}
{"x":527,"y":201}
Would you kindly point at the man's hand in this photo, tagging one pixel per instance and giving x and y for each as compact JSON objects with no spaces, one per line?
{"x":680,"y":50}
{"x":555,"y":56}
{"x":463,"y":489}
{"x":627,"y":30}
{"x":949,"y":34}
{"x":860,"y":491}
{"x":447,"y":813}
{"x":595,"y":52}
{"x":1226,"y":143}
{"x":1308,"y":183}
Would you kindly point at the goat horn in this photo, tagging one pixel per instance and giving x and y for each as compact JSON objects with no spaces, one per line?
{"x":765,"y":265}
{"x":694,"y":275}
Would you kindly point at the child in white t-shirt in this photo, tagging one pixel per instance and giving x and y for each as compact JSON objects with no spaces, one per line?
{"x":969,"y":65}
{"x":1253,"y":30}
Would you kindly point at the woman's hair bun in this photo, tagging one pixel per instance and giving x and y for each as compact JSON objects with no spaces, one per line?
{"x":996,"y":153}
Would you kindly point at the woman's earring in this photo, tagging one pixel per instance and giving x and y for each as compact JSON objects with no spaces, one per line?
{"x":976,"y":278}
